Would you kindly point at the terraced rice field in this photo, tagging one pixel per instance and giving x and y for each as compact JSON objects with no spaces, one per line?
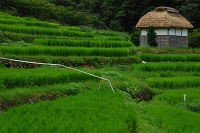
{"x":148,"y":96}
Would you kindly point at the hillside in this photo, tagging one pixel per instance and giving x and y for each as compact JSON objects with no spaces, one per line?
{"x":149,"y":83}
{"x":117,"y":15}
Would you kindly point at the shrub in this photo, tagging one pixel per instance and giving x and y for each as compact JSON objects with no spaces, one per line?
{"x":194,"y":38}
{"x":151,"y":37}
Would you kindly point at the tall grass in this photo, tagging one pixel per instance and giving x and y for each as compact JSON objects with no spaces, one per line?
{"x":174,"y":82}
{"x":64,"y":51}
{"x":89,"y":112}
{"x":82,"y":43}
{"x":168,"y":66}
{"x":44,"y":31}
{"x":12,"y":78}
{"x":170,"y":57}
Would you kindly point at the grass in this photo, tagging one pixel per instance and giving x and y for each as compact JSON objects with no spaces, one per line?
{"x":92,"y":111}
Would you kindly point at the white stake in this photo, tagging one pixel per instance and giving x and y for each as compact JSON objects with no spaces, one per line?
{"x":184,"y":98}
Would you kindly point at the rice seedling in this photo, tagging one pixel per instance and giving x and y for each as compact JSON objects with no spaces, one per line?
{"x":19,"y":96}
{"x":75,"y":61}
{"x":82,"y":43}
{"x":8,"y":21}
{"x":64,"y":51}
{"x":174,"y":97}
{"x":44,"y":31}
{"x":172,"y":119}
{"x":174,"y":83}
{"x":27,"y":22}
{"x":91,"y":111}
{"x":168,"y":66}
{"x":170,"y":57}
{"x":40,"y":24}
{"x":73,"y":28}
{"x":12,"y":78}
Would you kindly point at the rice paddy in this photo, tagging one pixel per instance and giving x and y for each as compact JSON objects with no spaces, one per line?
{"x":35,"y":98}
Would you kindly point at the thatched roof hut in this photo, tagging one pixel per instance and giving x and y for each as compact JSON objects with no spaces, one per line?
{"x":164,"y":17}
{"x":169,"y":24}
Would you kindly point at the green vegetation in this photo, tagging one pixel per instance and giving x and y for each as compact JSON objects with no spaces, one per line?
{"x":170,"y":57}
{"x":151,"y":37}
{"x":168,"y":66}
{"x":93,"y":111}
{"x":174,"y":83}
{"x":64,"y":51}
{"x":149,"y":83}
{"x":39,"y":77}
{"x":82,"y":43}
{"x":120,"y":15}
{"x":43,"y":31}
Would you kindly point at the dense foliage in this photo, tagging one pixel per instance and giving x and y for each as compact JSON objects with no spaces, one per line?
{"x":118,"y":15}
{"x":151,"y":37}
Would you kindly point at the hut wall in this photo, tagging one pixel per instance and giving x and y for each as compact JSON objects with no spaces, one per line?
{"x":167,"y":38}
{"x":167,"y":41}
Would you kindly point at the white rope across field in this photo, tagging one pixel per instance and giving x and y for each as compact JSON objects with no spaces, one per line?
{"x":59,"y":65}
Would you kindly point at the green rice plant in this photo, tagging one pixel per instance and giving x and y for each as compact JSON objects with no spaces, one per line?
{"x":12,"y":78}
{"x":174,"y":82}
{"x":4,"y":15}
{"x":75,"y":61}
{"x":92,"y":112}
{"x":168,"y":66}
{"x":27,"y":22}
{"x":172,"y":119}
{"x":64,"y":51}
{"x":18,"y":96}
{"x":82,"y":43}
{"x":21,"y":37}
{"x":8,"y":21}
{"x":170,"y":57}
{"x":174,"y":97}
{"x":44,"y":31}
{"x":73,"y":28}
{"x":112,"y":38}
{"x":125,"y":36}
{"x":40,"y":24}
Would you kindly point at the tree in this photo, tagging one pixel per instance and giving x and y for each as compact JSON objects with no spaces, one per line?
{"x":151,"y":37}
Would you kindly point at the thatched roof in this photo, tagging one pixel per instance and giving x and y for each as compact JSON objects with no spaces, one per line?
{"x":164,"y":17}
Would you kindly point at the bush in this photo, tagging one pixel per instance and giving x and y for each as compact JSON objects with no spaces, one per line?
{"x":135,"y":37}
{"x":194,"y":39}
{"x":151,"y":37}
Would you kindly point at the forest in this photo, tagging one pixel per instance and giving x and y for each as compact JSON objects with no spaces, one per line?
{"x":118,"y":15}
